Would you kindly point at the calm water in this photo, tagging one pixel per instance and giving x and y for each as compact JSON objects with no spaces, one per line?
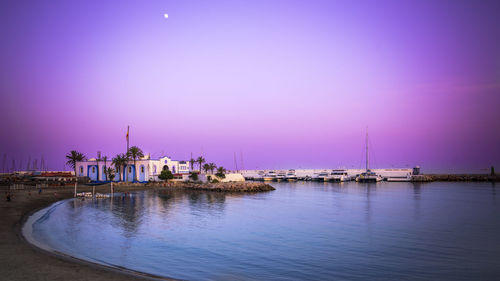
{"x":301,"y":231}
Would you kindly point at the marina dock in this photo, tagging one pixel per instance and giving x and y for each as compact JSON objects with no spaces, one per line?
{"x":391,"y":175}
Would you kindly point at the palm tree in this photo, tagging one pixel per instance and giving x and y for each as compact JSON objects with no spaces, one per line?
{"x":135,"y":153}
{"x":97,"y":159}
{"x":206,"y":167}
{"x":221,"y":172}
{"x":212,"y":167}
{"x":200,"y":161}
{"x":119,"y":161}
{"x":105,"y":159}
{"x":110,"y":174}
{"x":73,"y":157}
{"x":191,"y":162}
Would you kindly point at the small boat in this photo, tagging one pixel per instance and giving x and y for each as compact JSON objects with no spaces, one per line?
{"x":259,"y":176}
{"x":270,"y":176}
{"x":339,"y":175}
{"x":307,"y":178}
{"x":368,"y":176}
{"x":291,"y":176}
{"x":281,"y":176}
{"x":89,"y":194}
{"x":101,"y":195}
{"x":323,"y":176}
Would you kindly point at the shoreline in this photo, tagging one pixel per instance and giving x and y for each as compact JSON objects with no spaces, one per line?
{"x":21,"y":260}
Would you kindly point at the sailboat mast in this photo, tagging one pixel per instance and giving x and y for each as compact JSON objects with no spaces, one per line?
{"x":235,"y":162}
{"x":367,"y":149}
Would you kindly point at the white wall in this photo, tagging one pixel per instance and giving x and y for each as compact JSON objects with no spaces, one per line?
{"x":229,"y":177}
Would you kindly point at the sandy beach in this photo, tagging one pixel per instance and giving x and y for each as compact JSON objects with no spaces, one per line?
{"x":19,"y":260}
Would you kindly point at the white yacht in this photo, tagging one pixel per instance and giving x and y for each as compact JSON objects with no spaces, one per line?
{"x":281,"y":176}
{"x":323,"y":176}
{"x":339,"y":175}
{"x":259,"y":176}
{"x":270,"y":176}
{"x":291,"y":176}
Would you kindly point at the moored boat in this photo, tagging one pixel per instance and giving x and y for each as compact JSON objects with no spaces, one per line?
{"x":281,"y":176}
{"x":339,"y":175}
{"x":269,"y":176}
{"x":368,"y":175}
{"x":291,"y":176}
{"x":323,"y":176}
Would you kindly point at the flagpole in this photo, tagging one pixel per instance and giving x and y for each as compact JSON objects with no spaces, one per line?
{"x":128,"y":128}
{"x":126,"y":155}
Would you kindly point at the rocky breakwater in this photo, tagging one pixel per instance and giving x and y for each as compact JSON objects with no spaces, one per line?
{"x":455,"y":177}
{"x":229,"y":186}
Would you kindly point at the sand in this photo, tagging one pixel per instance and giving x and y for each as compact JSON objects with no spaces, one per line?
{"x":20,"y":260}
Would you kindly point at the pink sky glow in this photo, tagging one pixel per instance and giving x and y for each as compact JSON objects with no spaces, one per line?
{"x":286,"y":84}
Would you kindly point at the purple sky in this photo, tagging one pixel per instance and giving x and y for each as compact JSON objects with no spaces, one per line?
{"x":287,"y":84}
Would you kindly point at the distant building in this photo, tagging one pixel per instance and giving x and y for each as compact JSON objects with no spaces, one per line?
{"x":416,"y":170}
{"x":147,"y":169}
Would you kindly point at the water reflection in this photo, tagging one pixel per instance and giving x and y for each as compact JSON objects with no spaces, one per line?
{"x":370,"y":188}
{"x":417,"y":194}
{"x":300,"y":231}
{"x":493,"y":192}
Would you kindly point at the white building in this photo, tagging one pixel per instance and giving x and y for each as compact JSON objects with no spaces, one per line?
{"x":147,"y":169}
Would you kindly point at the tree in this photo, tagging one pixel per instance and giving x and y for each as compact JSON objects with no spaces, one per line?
{"x":119,"y":161}
{"x":191,"y":163}
{"x":105,"y":159}
{"x":200,"y":161}
{"x":97,"y":159}
{"x":135,"y":153}
{"x":73,"y":157}
{"x":193,"y":176}
{"x":166,"y":175}
{"x":221,"y":172}
{"x":110,"y":174}
{"x":206,"y":167}
{"x":212,"y":167}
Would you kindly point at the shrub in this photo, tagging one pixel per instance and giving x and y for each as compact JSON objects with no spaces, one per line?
{"x":166,"y":175}
{"x":193,"y":176}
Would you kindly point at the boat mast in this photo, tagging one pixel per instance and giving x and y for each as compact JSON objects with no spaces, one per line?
{"x":235,"y":162}
{"x":367,"y":149}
